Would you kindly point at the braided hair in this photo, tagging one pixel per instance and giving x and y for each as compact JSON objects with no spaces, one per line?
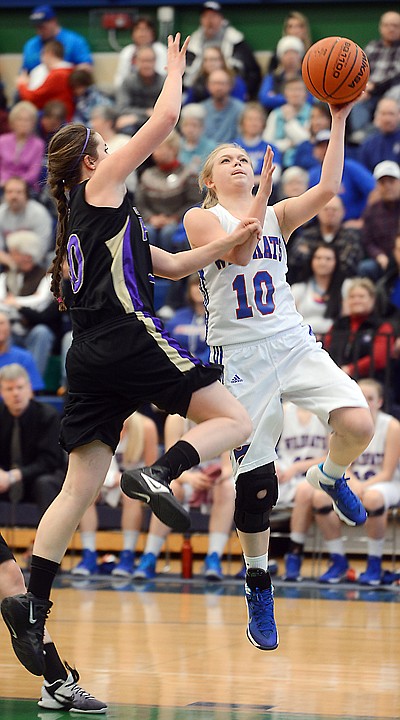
{"x":67,"y":149}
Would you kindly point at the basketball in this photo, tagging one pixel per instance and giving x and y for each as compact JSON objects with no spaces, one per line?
{"x":335,"y":70}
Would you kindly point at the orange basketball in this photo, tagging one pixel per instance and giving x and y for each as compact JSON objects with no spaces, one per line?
{"x":335,"y":70}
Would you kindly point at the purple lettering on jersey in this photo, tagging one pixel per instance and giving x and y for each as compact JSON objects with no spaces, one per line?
{"x":75,"y":262}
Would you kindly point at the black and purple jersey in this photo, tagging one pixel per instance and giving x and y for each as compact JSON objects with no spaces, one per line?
{"x":109,"y":262}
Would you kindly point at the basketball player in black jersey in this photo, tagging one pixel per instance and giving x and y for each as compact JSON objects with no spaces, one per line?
{"x":121,"y":356}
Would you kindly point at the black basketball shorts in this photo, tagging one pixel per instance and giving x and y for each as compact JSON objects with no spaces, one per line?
{"x":119,"y":366}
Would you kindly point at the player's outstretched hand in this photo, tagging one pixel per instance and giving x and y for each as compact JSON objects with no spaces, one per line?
{"x":265,"y":186}
{"x":344,"y":109}
{"x":176,"y":55}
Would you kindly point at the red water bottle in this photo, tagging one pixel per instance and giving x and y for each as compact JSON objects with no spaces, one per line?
{"x":187,"y":558}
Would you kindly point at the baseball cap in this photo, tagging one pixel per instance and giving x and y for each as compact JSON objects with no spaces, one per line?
{"x":322,"y":136}
{"x":212,"y":6}
{"x":387,"y":168}
{"x":41,"y":13}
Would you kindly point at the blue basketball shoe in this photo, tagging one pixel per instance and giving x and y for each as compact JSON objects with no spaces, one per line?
{"x":146,"y":570}
{"x":345,"y":503}
{"x":88,"y":564}
{"x":212,"y":567}
{"x":292,"y":567}
{"x":125,"y":566}
{"x":261,"y":629}
{"x":337,"y":570}
{"x":373,"y":572}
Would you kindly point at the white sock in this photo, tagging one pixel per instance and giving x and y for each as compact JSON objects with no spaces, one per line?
{"x":154,"y":544}
{"x":257,"y":562}
{"x":335,"y":547}
{"x":375,"y":547}
{"x":217,"y":542}
{"x":88,"y":540}
{"x":298,"y":537}
{"x":333,"y":470}
{"x":130,"y":538}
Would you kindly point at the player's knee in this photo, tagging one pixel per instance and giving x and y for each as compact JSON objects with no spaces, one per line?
{"x":304,"y":494}
{"x":359,"y":426}
{"x":372,"y":499}
{"x":256,"y":495}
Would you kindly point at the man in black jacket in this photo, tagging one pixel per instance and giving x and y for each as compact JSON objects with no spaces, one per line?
{"x":32,"y":463}
{"x":216,"y":31}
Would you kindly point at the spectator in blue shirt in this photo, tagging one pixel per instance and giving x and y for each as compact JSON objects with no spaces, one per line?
{"x":290,"y":51}
{"x":87,"y":95}
{"x":222,"y":110}
{"x":357,"y":181}
{"x":10,"y":353}
{"x":76,"y":48}
{"x":384,"y":142}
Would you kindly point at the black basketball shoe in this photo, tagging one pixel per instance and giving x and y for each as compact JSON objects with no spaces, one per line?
{"x":25,"y":617}
{"x":150,"y":485}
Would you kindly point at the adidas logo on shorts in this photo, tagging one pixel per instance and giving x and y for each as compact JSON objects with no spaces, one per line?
{"x":236,"y":379}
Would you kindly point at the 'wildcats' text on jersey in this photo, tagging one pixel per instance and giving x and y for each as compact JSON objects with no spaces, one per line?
{"x":370,"y":461}
{"x":252,"y":302}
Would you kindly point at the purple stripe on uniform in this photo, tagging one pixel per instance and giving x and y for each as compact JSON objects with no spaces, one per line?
{"x":172,"y":342}
{"x":128,"y":265}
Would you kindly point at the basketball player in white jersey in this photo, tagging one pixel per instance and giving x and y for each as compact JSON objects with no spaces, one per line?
{"x":375,"y":477}
{"x":269,"y":355}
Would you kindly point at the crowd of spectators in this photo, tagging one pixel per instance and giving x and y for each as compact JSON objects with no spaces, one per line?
{"x":228,"y":97}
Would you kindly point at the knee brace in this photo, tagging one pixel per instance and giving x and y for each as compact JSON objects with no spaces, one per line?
{"x":251,"y":512}
{"x":377,"y":512}
{"x":325,"y":510}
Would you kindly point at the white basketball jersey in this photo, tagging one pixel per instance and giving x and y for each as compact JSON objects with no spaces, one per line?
{"x":370,"y":461}
{"x":300,"y":441}
{"x":252,"y":302}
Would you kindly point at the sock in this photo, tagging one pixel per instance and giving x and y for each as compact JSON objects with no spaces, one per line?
{"x":295,"y":548}
{"x":88,"y":540}
{"x":217,"y":542}
{"x":335,"y":547}
{"x":180,"y":457}
{"x":130,"y":538}
{"x":257,"y":579}
{"x":43,"y":572}
{"x":154,"y":544}
{"x":375,"y":547}
{"x":54,"y":667}
{"x":260,"y":562}
{"x":298,"y":538}
{"x":333,"y":470}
